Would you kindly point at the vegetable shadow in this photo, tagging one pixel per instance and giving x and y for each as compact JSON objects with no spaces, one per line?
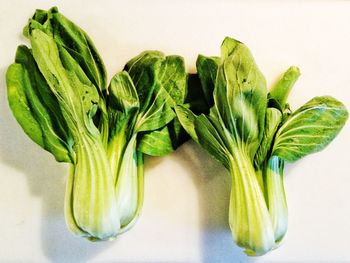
{"x":214,"y":184}
{"x":46,"y":180}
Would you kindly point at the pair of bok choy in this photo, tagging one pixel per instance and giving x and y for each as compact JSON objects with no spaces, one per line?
{"x":253,"y":132}
{"x":57,"y":91}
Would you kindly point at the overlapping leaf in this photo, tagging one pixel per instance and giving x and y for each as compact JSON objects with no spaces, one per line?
{"x":310,"y":129}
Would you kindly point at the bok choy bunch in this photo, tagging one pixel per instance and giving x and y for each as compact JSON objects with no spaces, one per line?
{"x":141,"y":121}
{"x":252,"y":132}
{"x":57,"y":92}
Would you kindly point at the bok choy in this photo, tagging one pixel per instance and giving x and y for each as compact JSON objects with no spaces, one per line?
{"x":57,"y":91}
{"x":252,"y":132}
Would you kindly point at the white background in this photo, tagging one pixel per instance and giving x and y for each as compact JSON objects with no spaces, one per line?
{"x":184,"y":218}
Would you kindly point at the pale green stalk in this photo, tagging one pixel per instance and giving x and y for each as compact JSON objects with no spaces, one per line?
{"x":275,"y":196}
{"x":249,"y":218}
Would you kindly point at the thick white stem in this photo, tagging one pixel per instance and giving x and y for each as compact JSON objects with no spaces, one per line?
{"x":276,"y":198}
{"x":248,"y":214}
{"x":128,"y":184}
{"x":92,"y":191}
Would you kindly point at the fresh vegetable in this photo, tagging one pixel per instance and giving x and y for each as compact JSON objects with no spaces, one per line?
{"x":57,"y":91}
{"x":141,"y":117}
{"x":253,"y":133}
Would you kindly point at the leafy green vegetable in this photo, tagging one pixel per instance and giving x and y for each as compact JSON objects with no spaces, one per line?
{"x":58,"y":94}
{"x":252,"y":133}
{"x":93,"y":207}
{"x":57,"y":91}
{"x":142,"y":119}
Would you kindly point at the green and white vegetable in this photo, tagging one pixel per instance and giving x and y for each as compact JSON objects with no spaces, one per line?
{"x":252,"y":133}
{"x":57,"y":91}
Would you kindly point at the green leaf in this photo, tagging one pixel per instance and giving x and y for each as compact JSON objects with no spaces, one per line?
{"x":157,"y":76}
{"x":164,"y":140}
{"x":155,"y":101}
{"x":75,"y":98}
{"x":17,"y":79}
{"x":240,"y":95}
{"x":122,"y":93}
{"x":27,"y":86}
{"x":202,"y":131}
{"x":77,"y":43}
{"x":41,"y":90}
{"x":157,"y":115}
{"x":228,"y":47}
{"x":207,"y":68}
{"x":310,"y":129}
{"x":40,"y":20}
{"x":187,"y":120}
{"x":209,"y":138}
{"x":123,"y":107}
{"x":86,"y":91}
{"x":156,"y":143}
{"x":195,"y":99}
{"x":167,"y":139}
{"x":272,"y":121}
{"x":165,"y":79}
{"x":172,"y":77}
{"x":142,"y":70}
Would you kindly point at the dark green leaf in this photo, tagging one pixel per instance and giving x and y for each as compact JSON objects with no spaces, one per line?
{"x":87,"y":92}
{"x":207,"y":68}
{"x":187,"y":120}
{"x":80,"y":47}
{"x":165,"y":79}
{"x":210,"y":139}
{"x":310,"y":129}
{"x":123,"y":105}
{"x":157,"y":115}
{"x":173,"y":134}
{"x":155,"y":101}
{"x":195,"y":99}
{"x":42,"y":91}
{"x":64,"y":82}
{"x":240,"y":95}
{"x":122,"y":93}
{"x":156,"y":143}
{"x":272,"y":122}
{"x":164,"y":140}
{"x":142,"y":70}
{"x":172,"y":77}
{"x":29,"y":110}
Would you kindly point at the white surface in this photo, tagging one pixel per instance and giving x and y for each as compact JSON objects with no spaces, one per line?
{"x":186,"y":194}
